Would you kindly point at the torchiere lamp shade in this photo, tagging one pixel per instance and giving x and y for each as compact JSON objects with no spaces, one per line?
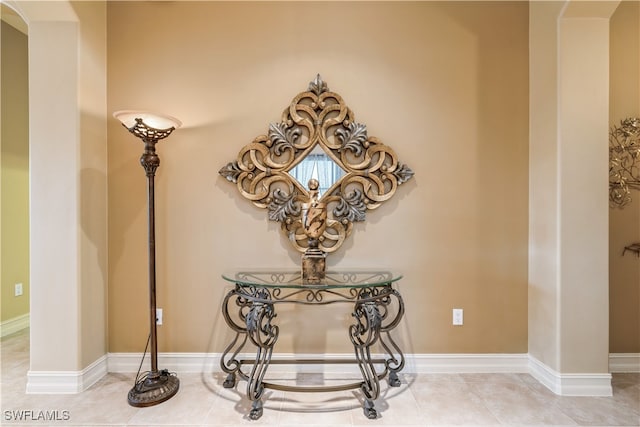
{"x":153,"y":120}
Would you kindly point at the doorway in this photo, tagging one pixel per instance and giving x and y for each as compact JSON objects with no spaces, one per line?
{"x":14,"y":174}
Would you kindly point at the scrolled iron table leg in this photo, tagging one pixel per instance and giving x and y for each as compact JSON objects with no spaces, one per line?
{"x":264,"y":335}
{"x":364,"y":333}
{"x":395,"y":361}
{"x":230,"y":364}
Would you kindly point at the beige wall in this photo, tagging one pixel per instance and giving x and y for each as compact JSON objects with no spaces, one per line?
{"x":624,"y":224}
{"x":444,"y":84}
{"x":15,"y":173}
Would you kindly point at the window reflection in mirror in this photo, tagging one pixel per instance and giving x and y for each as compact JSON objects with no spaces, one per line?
{"x":318,"y":165}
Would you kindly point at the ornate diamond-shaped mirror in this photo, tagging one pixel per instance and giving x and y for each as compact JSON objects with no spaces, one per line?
{"x":317,"y":171}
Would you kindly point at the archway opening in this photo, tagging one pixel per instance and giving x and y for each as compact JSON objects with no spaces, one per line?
{"x":14,"y":173}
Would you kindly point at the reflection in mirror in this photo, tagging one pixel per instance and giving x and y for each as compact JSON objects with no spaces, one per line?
{"x":319,"y":166}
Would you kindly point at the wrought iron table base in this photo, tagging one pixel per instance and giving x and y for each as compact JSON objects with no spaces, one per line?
{"x":373,"y":323}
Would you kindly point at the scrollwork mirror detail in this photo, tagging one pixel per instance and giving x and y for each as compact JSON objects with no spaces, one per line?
{"x":624,"y":161}
{"x":317,"y":125}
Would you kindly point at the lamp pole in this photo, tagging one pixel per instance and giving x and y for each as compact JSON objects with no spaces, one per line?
{"x":150,"y":162}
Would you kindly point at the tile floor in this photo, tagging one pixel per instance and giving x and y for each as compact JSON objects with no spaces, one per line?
{"x":422,"y":400}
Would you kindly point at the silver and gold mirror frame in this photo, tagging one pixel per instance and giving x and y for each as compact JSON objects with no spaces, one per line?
{"x":368,"y":170}
{"x":624,"y":161}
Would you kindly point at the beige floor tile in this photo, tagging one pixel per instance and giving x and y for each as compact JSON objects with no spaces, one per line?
{"x":422,"y":400}
{"x":317,"y":409}
{"x":431,"y":378}
{"x":103,"y":403}
{"x":626,"y":390}
{"x":451,"y":403}
{"x":598,"y":411}
{"x":511,"y":378}
{"x":395,"y":406}
{"x":191,"y":405}
{"x":515,"y":403}
{"x":232,"y":407}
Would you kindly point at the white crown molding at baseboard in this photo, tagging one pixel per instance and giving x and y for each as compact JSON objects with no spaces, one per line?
{"x":14,"y":325}
{"x":570,"y":384}
{"x":624,"y":362}
{"x":66,"y":382}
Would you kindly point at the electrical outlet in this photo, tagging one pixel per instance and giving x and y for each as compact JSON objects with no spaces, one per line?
{"x":158,"y":316}
{"x":458,"y":316}
{"x":18,"y":289}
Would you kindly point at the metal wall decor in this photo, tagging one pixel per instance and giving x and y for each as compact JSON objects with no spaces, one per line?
{"x":370,"y":171}
{"x":634,"y":247}
{"x":624,"y":161}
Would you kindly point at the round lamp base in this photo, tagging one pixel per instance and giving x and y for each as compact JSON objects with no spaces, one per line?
{"x":155,"y":389}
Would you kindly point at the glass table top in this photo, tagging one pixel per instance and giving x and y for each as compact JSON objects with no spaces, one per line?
{"x":293,"y":278}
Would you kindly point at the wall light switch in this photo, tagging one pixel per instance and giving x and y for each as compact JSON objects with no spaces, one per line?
{"x":18,"y":289}
{"x":158,"y":316}
{"x":458,"y":316}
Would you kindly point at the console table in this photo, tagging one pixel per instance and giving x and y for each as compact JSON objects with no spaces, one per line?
{"x":250,"y":308}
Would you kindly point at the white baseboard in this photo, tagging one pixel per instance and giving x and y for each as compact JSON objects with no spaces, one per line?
{"x":570,"y":384}
{"x":562,"y":384}
{"x":66,"y":382}
{"x":174,"y":362}
{"x":14,"y":325}
{"x":624,"y":362}
{"x":467,"y":363}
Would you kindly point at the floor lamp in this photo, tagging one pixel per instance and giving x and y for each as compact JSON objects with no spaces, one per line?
{"x":156,"y":386}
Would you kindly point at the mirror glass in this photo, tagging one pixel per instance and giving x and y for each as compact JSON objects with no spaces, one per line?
{"x":317,"y":165}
